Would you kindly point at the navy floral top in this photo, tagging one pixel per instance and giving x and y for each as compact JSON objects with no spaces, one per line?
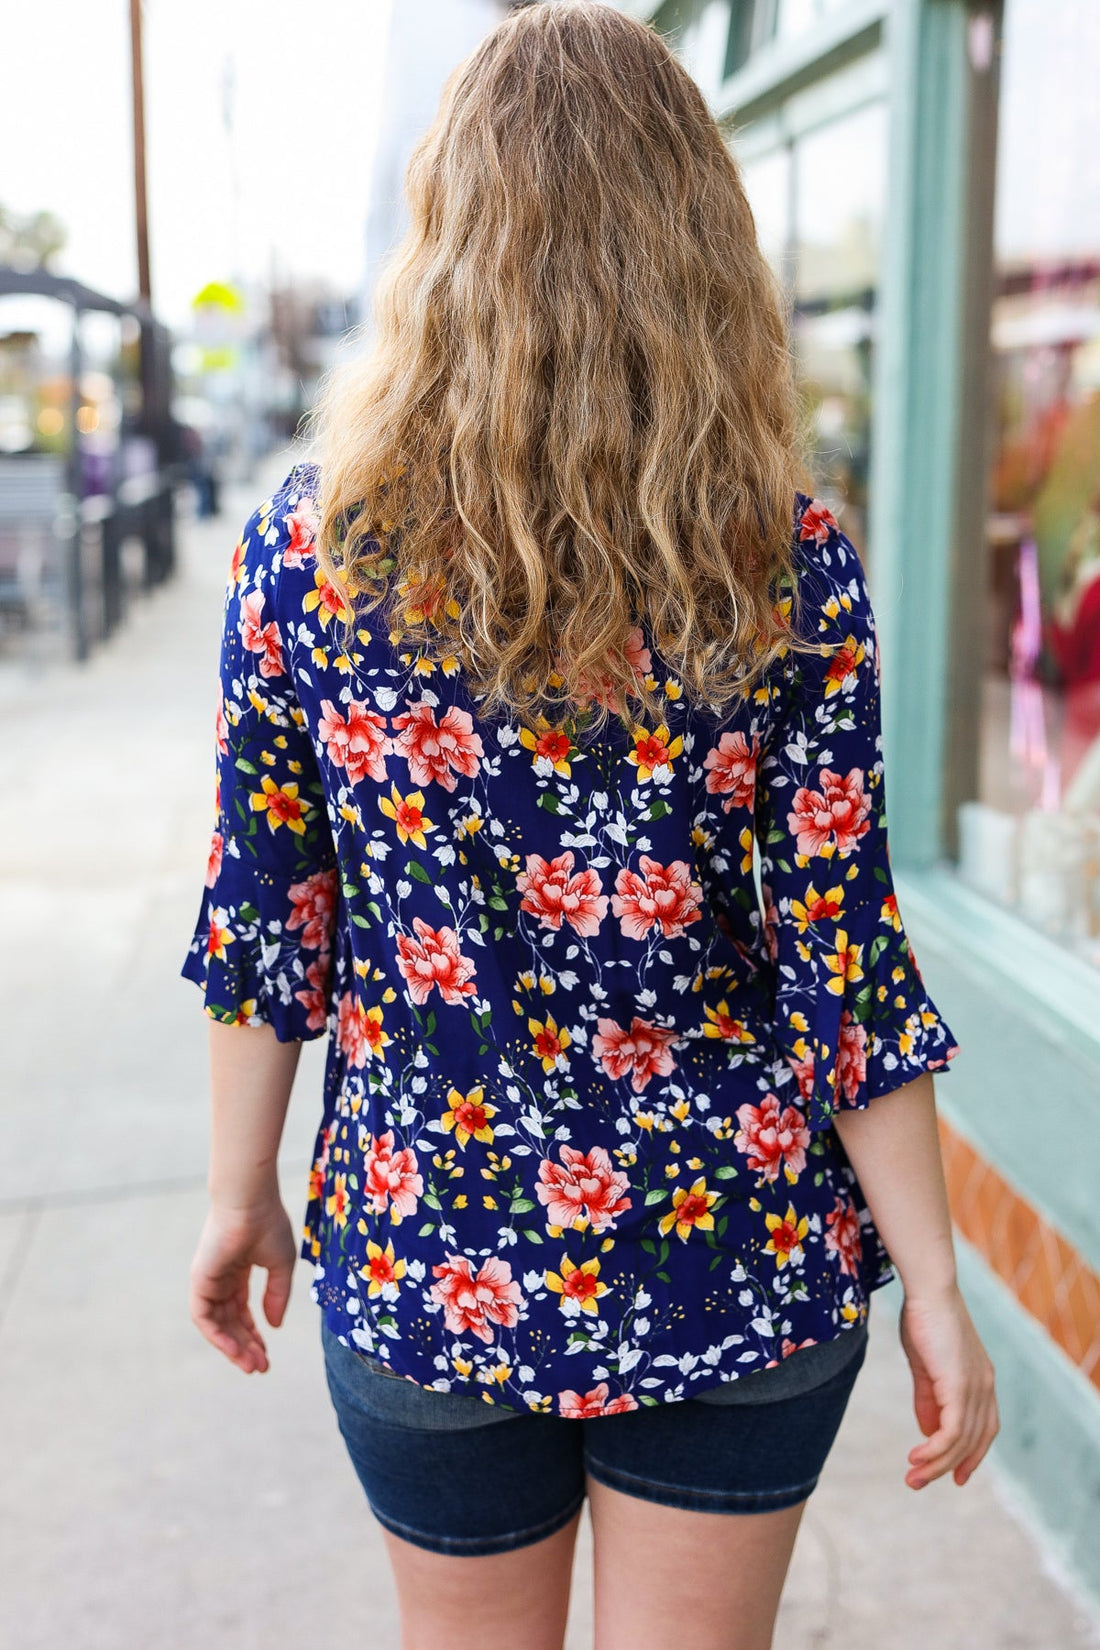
{"x":576,"y":1151}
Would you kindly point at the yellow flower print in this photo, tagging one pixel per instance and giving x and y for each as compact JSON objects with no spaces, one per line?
{"x":817,"y":907}
{"x":325,"y":600}
{"x":890,"y":912}
{"x":653,"y":750}
{"x":551,"y":743}
{"x":381,"y":1268}
{"x":282,"y":805}
{"x":578,"y":1283}
{"x":407,"y":814}
{"x":721,"y":1023}
{"x":787,"y":1232}
{"x":690,"y":1209}
{"x":550,"y":1041}
{"x":469,"y":1115}
{"x":845,"y":659}
{"x":423,"y":601}
{"x":336,"y":1204}
{"x":746,"y":842}
{"x":218,"y":936}
{"x":845,"y":964}
{"x":374,"y":1036}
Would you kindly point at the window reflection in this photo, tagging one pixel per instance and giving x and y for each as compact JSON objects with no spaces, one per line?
{"x":818,"y":204}
{"x":1031,"y":837}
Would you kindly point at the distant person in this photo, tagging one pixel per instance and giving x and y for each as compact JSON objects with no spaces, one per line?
{"x":515,"y":677}
{"x":200,"y":471}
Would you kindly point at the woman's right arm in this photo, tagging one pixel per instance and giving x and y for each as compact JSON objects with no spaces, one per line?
{"x":852,"y":1014}
{"x":893,"y":1146}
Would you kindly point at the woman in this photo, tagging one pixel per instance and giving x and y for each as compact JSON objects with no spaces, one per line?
{"x":615,"y":1148}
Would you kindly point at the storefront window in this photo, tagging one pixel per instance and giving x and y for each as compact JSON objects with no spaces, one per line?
{"x":799,"y":16}
{"x":818,"y":204}
{"x":1031,"y":837}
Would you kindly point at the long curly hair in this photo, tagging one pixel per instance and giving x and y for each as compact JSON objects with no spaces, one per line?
{"x":577,"y":415}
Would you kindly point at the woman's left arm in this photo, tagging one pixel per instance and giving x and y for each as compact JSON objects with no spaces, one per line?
{"x":251,"y":1075}
{"x":262,"y":945}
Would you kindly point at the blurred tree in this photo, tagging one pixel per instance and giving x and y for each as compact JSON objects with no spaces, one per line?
{"x":30,"y":240}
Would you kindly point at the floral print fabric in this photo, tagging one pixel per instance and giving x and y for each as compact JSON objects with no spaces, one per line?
{"x":576,"y":1150}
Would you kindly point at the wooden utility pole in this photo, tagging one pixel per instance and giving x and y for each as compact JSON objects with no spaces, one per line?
{"x":140,"y":201}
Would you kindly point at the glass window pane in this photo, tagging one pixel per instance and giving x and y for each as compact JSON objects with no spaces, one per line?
{"x":798,"y":16}
{"x":840,"y":191}
{"x":818,"y":203}
{"x":1031,"y":837}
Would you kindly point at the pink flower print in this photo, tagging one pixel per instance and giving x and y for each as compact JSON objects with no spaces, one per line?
{"x":731,"y":766}
{"x":313,"y":909}
{"x":600,"y":688}
{"x":302,"y":527}
{"x":642,"y":1051}
{"x":314,"y":995}
{"x":437,"y":750}
{"x":259,"y":637}
{"x":433,"y":959}
{"x":833,"y":819}
{"x":803,"y":1065}
{"x":596,"y":1402}
{"x":817,"y":523}
{"x":221,"y":726}
{"x":351,"y":1032}
{"x":842,"y":1235}
{"x":474,"y":1302}
{"x":554,"y":894}
{"x":391,"y":1178}
{"x":663,"y":896}
{"x":583,"y":1189}
{"x":774,"y":1137}
{"x":851,"y":1059}
{"x":356,"y":743}
{"x":214,"y":859}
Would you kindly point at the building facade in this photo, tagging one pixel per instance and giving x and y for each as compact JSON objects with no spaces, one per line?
{"x":925,"y":175}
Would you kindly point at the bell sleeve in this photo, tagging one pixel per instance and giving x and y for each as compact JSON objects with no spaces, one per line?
{"x":262,"y":945}
{"x":852,"y":1017}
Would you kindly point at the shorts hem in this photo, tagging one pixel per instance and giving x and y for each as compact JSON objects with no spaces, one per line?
{"x":477,"y":1546}
{"x":716,"y":1501}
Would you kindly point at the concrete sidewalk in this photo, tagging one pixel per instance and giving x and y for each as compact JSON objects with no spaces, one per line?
{"x":151,"y":1496}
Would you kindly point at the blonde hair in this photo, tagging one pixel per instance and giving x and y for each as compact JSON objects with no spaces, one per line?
{"x":577,"y":415}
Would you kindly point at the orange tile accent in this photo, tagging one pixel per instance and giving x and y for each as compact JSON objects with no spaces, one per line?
{"x":1045,"y":1273}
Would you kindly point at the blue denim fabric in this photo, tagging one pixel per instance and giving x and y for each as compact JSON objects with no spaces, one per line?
{"x":440,"y":1470}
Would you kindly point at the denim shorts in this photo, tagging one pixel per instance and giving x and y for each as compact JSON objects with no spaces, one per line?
{"x":451,"y":1473}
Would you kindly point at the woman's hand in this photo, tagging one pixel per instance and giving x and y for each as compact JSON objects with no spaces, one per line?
{"x":231,"y":1243}
{"x":953,"y":1387}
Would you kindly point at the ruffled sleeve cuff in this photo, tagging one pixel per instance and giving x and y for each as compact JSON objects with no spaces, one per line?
{"x":262,"y":947}
{"x":866,"y":1024}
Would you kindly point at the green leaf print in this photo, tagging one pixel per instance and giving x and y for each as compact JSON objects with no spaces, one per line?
{"x":413,"y":868}
{"x":549,"y":801}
